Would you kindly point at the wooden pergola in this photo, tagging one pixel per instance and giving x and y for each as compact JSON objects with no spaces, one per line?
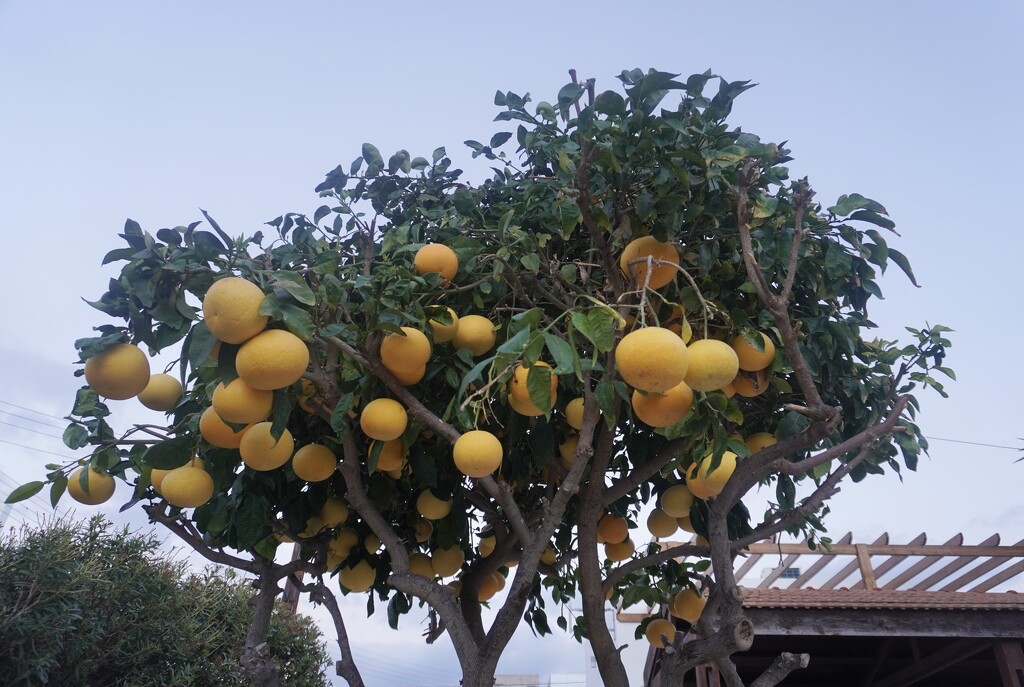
{"x":880,"y":614}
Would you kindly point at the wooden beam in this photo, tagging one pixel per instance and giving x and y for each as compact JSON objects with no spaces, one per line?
{"x":821,"y":563}
{"x":864,"y":563}
{"x":934,"y":663}
{"x":850,"y":622}
{"x":850,"y":567}
{"x":976,"y":572}
{"x":1010,"y":659}
{"x":1000,"y":577}
{"x":884,"y":648}
{"x":960,"y":561}
{"x":919,"y":567}
{"x":894,"y":549}
{"x":778,"y":570}
{"x":892,"y":561}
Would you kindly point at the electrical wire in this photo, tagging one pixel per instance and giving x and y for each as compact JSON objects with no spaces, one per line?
{"x":26,"y":429}
{"x":33,"y":448}
{"x":31,"y":410}
{"x":976,"y":443}
{"x":28,"y":419}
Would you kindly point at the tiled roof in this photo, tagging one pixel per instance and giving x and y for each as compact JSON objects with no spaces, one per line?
{"x":881,"y":598}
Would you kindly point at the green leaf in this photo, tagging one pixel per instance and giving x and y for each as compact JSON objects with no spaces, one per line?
{"x":538,"y":384}
{"x":855,"y":201}
{"x":904,"y":264}
{"x":169,"y":454}
{"x":339,"y":416}
{"x":57,"y":489}
{"x":76,"y":436}
{"x":250,"y":521}
{"x":372,"y":155}
{"x":563,"y":354}
{"x":282,"y":410}
{"x":298,"y":321}
{"x":295,"y":285}
{"x":499,"y":139}
{"x":765,"y":206}
{"x":874,"y":218}
{"x":531,"y":262}
{"x":25,"y":491}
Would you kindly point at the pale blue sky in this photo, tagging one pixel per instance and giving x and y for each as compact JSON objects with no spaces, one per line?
{"x":151,"y":110}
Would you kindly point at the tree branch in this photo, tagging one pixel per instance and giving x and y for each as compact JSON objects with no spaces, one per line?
{"x":346,"y":666}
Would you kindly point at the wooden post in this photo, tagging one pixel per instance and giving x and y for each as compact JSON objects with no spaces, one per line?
{"x":1010,"y":659}
{"x":291,"y":595}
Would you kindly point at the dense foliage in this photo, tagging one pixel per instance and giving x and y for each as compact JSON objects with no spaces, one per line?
{"x":84,"y":603}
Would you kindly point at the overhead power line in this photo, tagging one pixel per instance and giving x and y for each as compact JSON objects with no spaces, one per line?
{"x":977,"y":443}
{"x":31,"y":410}
{"x":29,"y":419}
{"x":33,"y":448}
{"x":26,"y":429}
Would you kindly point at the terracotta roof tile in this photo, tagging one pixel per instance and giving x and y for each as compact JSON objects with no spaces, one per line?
{"x":881,"y":598}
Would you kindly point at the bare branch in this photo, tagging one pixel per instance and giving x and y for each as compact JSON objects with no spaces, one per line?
{"x":346,"y":667}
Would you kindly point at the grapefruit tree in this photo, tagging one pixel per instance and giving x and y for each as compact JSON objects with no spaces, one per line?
{"x":509,"y":372}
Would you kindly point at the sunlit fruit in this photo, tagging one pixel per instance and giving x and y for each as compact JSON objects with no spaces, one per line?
{"x":475,"y":333}
{"x":187,"y":487}
{"x":99,"y":486}
{"x":431,"y":507}
{"x":437,"y":258}
{"x":444,"y":333}
{"x":261,"y":451}
{"x":231,"y":309}
{"x":619,"y":552}
{"x":696,"y":485}
{"x":713,"y":364}
{"x":412,"y":377}
{"x":525,"y":408}
{"x":652,"y":359}
{"x":119,"y":372}
{"x":383,"y":419}
{"x":751,"y":384}
{"x":649,"y":246}
{"x":712,"y":481}
{"x":162,"y":393}
{"x":477,"y":453}
{"x":750,"y":358}
{"x":666,"y":409}
{"x":687,"y":605}
{"x":357,"y":578}
{"x":611,"y":529}
{"x":272,"y":359}
{"x":660,"y":632}
{"x":448,"y":561}
{"x":405,"y":353}
{"x":240,"y":403}
{"x":661,"y":524}
{"x":217,"y":432}
{"x":314,"y":463}
{"x":677,"y":500}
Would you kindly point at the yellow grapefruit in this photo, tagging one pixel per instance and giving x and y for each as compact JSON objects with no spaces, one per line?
{"x":663,"y":410}
{"x":574,"y":413}
{"x":612,"y":529}
{"x":751,"y":359}
{"x":231,"y":309}
{"x":161,"y":393}
{"x":759,"y":440}
{"x":652,"y":359}
{"x":475,"y":333}
{"x":119,"y":372}
{"x":713,"y":364}
{"x":443,"y":333}
{"x":661,"y":524}
{"x":314,"y":463}
{"x":272,"y":360}
{"x":383,"y":419}
{"x":357,"y":578}
{"x":619,"y":552}
{"x":99,"y":487}
{"x":649,"y":246}
{"x":687,"y":605}
{"x":660,"y":630}
{"x":420,"y":564}
{"x":334,"y":512}
{"x":436,"y":258}
{"x":187,"y":487}
{"x":677,"y":500}
{"x":261,"y":451}
{"x":217,"y":432}
{"x":242,"y":404}
{"x":449,"y":561}
{"x":477,"y":453}
{"x":431,"y":507}
{"x":391,"y":456}
{"x":751,"y":384}
{"x":405,"y":353}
